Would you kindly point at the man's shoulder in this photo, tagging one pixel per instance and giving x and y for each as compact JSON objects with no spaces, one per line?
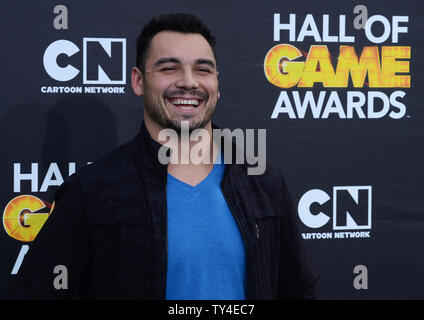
{"x":269,"y":186}
{"x":117,"y":165}
{"x":272,"y":177}
{"x":109,"y":189}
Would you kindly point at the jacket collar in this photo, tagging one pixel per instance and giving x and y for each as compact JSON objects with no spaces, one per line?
{"x":147,"y":150}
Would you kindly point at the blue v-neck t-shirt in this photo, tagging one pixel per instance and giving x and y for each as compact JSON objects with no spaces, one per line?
{"x":206,"y":254}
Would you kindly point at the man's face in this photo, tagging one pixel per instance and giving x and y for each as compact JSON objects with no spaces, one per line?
{"x":180,"y":80}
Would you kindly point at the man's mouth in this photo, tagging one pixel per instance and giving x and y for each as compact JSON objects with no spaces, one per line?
{"x":185,"y":105}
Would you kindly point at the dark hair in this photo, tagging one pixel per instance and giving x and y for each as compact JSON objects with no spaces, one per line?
{"x":178,"y":22}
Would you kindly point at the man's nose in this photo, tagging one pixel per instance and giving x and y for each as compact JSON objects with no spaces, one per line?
{"x":187,"y":80}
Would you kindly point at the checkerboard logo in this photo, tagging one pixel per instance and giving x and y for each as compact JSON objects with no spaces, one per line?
{"x":351,"y":208}
{"x":103,"y":61}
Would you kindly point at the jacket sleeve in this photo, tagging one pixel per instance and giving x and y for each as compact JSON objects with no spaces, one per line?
{"x":62,"y":243}
{"x":297,"y":278}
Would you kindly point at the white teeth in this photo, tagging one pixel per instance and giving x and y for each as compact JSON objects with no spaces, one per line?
{"x":185,"y":101}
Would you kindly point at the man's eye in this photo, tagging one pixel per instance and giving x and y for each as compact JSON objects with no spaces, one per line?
{"x":204,"y":70}
{"x":168,"y":69}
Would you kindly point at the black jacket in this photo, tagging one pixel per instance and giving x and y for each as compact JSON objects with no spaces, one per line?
{"x":109,"y":229}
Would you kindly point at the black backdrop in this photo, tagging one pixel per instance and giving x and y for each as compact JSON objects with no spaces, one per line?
{"x":377,"y":161}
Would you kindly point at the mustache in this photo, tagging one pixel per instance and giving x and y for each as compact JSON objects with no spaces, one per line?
{"x":181,"y":92}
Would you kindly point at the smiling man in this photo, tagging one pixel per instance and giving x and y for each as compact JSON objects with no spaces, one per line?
{"x":128,"y":226}
{"x":178,"y":80}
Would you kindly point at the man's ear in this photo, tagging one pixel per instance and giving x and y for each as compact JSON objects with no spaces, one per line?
{"x":137,"y":81}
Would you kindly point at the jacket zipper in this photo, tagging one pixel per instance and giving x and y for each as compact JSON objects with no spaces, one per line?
{"x":258,"y":236}
{"x":243,"y":234}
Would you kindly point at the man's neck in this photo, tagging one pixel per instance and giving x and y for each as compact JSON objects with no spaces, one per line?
{"x":186,"y":166}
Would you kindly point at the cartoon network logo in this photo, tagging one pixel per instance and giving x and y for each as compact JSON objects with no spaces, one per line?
{"x":350,"y":212}
{"x":102,"y":62}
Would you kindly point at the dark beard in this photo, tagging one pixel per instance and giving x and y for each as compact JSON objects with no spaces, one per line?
{"x":160,"y":118}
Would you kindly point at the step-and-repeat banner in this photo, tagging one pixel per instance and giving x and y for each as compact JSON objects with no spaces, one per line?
{"x":338,"y":86}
